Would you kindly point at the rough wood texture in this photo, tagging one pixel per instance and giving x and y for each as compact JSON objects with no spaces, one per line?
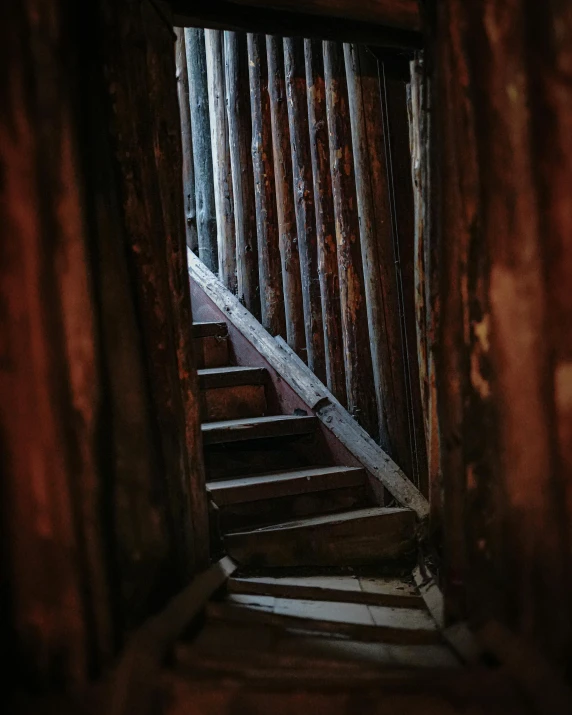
{"x":325,"y":220}
{"x":222,"y":175}
{"x":187,"y":141}
{"x":314,"y":394}
{"x":50,"y":379}
{"x":240,"y":127}
{"x":304,"y":203}
{"x":357,"y":355}
{"x":232,"y":403}
{"x":355,"y":538}
{"x":378,"y":255}
{"x":202,"y":150}
{"x":426,"y":271}
{"x":257,"y":428}
{"x":291,"y":278}
{"x":272,"y":314}
{"x":502,"y":373}
{"x":395,"y":114}
{"x":226,"y":15}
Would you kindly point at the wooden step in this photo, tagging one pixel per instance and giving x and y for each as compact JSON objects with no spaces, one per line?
{"x":258,"y":428}
{"x":231,"y":376}
{"x":284,"y":483}
{"x":372,"y":591}
{"x":359,"y":537}
{"x":232,"y":393}
{"x":210,"y":345}
{"x":356,"y":621}
{"x":244,"y":459}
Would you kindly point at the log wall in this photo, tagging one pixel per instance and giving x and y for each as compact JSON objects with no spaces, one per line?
{"x":502,"y":133}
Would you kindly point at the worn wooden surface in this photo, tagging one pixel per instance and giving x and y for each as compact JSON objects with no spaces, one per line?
{"x":227,"y":15}
{"x":325,"y":220}
{"x":220,"y":144}
{"x":394,"y":96}
{"x":240,"y":126}
{"x":280,"y":358}
{"x":202,"y":151}
{"x":272,"y":314}
{"x":296,"y":94}
{"x":378,"y":254}
{"x":291,"y":278}
{"x":357,"y":355}
{"x":187,"y":141}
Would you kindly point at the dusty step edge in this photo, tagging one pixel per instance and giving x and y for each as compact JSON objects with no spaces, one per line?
{"x":296,"y":482}
{"x":257,"y":428}
{"x":211,"y":378}
{"x":207,"y":329}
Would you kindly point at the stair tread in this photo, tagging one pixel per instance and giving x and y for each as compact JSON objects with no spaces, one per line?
{"x":203,"y":329}
{"x":354,"y":514}
{"x":231,"y":376}
{"x":257,"y":427}
{"x":284,"y":483}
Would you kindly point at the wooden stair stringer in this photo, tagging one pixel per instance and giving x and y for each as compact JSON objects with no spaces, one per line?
{"x":298,"y":388}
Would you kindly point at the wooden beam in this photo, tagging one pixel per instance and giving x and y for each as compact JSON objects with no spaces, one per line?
{"x":240,"y":126}
{"x":312,"y":391}
{"x":202,"y":150}
{"x":187,"y":141}
{"x":378,"y":255}
{"x":226,"y":15}
{"x":222,"y":175}
{"x":304,"y":203}
{"x":394,"y":96}
{"x":402,"y":14}
{"x":325,"y":220}
{"x":291,"y":278}
{"x":357,"y":355}
{"x":272,"y":317}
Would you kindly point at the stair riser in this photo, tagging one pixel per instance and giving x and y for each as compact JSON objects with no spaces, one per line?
{"x":239,"y":517}
{"x":247,"y":459}
{"x":232,"y":403}
{"x":211,"y":351}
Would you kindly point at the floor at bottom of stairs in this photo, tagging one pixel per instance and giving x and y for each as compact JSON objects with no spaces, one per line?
{"x":324,"y":642}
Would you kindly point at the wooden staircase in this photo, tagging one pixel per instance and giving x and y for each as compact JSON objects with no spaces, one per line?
{"x":280,"y":499}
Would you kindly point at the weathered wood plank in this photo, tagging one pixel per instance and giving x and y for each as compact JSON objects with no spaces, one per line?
{"x":205,"y":329}
{"x":202,"y":150}
{"x":357,"y":355}
{"x":233,"y":402}
{"x":257,"y":428}
{"x":187,"y":141}
{"x":240,"y":126}
{"x":312,"y":392}
{"x":222,"y":175}
{"x":325,"y":220}
{"x":233,"y":376}
{"x":279,"y":484}
{"x":272,"y":313}
{"x":395,"y":113}
{"x":226,"y":15}
{"x":291,"y":278}
{"x":354,"y":538}
{"x":295,"y":73}
{"x":378,"y":255}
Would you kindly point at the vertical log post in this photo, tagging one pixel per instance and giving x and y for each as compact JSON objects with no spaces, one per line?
{"x":269,"y":267}
{"x":325,"y":221}
{"x":376,"y":238}
{"x":240,"y":127}
{"x":394,"y":96}
{"x":190,"y":514}
{"x":187,"y":141}
{"x":222,"y":176}
{"x":285,"y":198}
{"x":357,"y":356}
{"x":202,"y":152}
{"x":222,"y":179}
{"x":304,"y":203}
